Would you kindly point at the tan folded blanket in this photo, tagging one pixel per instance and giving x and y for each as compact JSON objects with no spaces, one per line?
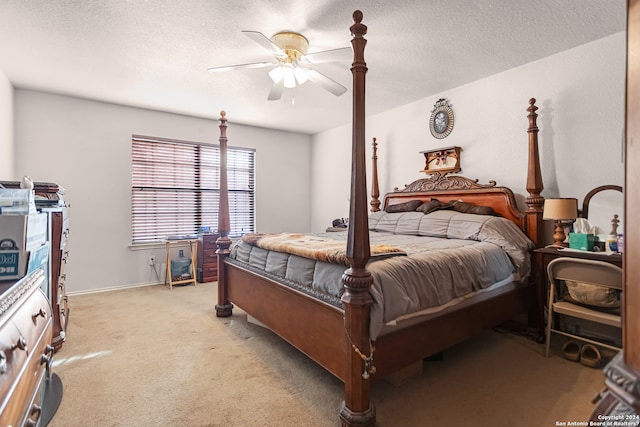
{"x":313,"y":247}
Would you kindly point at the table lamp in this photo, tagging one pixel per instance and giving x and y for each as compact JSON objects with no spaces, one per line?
{"x":560,"y":210}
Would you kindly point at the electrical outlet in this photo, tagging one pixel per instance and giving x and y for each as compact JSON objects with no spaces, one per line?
{"x":152,"y":260}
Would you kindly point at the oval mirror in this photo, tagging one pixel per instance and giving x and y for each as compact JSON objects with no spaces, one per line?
{"x":599,"y":207}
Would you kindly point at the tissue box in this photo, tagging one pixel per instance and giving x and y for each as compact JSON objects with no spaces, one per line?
{"x":581,"y":241}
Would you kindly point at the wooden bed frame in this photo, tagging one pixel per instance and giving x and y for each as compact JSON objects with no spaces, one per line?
{"x":339,"y":339}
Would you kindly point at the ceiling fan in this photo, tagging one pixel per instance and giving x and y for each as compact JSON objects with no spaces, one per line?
{"x":292,"y":65}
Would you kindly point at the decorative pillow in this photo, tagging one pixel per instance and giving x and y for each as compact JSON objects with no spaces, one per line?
{"x":396,"y":222}
{"x":595,"y":295}
{"x":465,"y":207}
{"x":433,"y":205}
{"x":403,"y":207}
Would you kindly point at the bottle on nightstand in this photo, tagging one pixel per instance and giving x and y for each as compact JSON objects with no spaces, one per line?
{"x":620,"y":243}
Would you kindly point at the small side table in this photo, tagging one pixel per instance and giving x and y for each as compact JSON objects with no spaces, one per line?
{"x":543,"y":256}
{"x":192,"y":244}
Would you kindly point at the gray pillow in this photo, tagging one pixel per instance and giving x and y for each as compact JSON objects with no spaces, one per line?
{"x":465,"y":207}
{"x":409,"y":206}
{"x":434,"y":205}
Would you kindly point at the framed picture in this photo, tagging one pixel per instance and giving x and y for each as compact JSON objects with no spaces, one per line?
{"x":441,"y":121}
{"x":442,"y":160}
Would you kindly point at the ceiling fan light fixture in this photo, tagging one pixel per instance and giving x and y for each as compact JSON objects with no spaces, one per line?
{"x":276,"y":74}
{"x":301,"y":75}
{"x":293,"y":44}
{"x":289,"y":76}
{"x":289,"y":48}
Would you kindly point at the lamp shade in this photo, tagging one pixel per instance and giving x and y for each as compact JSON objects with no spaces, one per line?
{"x":276,"y":74}
{"x":560,"y":209}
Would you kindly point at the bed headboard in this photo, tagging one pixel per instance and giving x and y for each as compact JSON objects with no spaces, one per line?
{"x":448,"y":187}
{"x":455,"y":187}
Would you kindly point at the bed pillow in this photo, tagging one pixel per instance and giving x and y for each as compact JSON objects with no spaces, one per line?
{"x":464,"y":207}
{"x":433,"y":205}
{"x":396,"y":222}
{"x":409,"y":206}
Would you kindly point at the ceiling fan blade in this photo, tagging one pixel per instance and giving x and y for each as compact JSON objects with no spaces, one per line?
{"x":239,"y":67}
{"x":340,"y":54}
{"x":329,"y":84}
{"x":265,"y":42}
{"x":276,"y":90}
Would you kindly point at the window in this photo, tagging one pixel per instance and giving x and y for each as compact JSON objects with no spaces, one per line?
{"x":175,"y":188}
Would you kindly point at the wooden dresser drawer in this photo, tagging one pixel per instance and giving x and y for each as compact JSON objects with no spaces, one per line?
{"x":210,"y":273}
{"x":11,"y":361}
{"x":25,"y":350}
{"x":32,"y":317}
{"x":209,"y":241}
{"x":209,"y":256}
{"x":24,"y":401}
{"x":65,"y":232}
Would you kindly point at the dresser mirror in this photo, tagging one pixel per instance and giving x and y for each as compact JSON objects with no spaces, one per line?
{"x":599,"y":207}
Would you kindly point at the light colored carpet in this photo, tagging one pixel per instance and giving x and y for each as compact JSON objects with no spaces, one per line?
{"x":152,"y":356}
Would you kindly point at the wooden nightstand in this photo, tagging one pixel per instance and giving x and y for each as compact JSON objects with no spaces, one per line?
{"x":543,"y":257}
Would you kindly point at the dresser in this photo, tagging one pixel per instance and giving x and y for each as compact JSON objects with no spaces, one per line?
{"x":207,"y":258}
{"x":50,"y":200}
{"x":58,"y":233}
{"x":26,"y":327}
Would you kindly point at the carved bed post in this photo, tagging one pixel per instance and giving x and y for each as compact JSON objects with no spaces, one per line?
{"x":375,"y":190}
{"x":223,"y":308}
{"x":357,"y":409}
{"x":535,"y":228}
{"x":534,"y":181}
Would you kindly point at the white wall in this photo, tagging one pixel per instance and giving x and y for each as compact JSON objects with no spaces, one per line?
{"x":580,"y":95}
{"x":85,"y":146}
{"x":6,"y":129}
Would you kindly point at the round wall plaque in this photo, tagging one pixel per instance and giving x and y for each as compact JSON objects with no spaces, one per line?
{"x":441,"y":121}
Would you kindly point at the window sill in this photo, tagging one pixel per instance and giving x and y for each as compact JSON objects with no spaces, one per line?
{"x":145,"y":246}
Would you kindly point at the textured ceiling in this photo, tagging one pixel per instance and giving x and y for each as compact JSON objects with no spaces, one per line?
{"x":155,"y":53}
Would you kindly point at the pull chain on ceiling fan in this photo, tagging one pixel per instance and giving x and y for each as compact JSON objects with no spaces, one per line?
{"x":293,"y":66}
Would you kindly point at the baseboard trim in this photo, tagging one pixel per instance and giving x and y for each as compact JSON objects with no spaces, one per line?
{"x":114,"y":288}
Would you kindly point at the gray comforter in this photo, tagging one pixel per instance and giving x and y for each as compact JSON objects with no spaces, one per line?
{"x":449,"y":255}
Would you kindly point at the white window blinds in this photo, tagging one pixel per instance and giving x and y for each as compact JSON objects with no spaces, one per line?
{"x":175,"y":188}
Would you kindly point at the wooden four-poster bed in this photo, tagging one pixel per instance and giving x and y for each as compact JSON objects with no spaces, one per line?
{"x":336,"y":330}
